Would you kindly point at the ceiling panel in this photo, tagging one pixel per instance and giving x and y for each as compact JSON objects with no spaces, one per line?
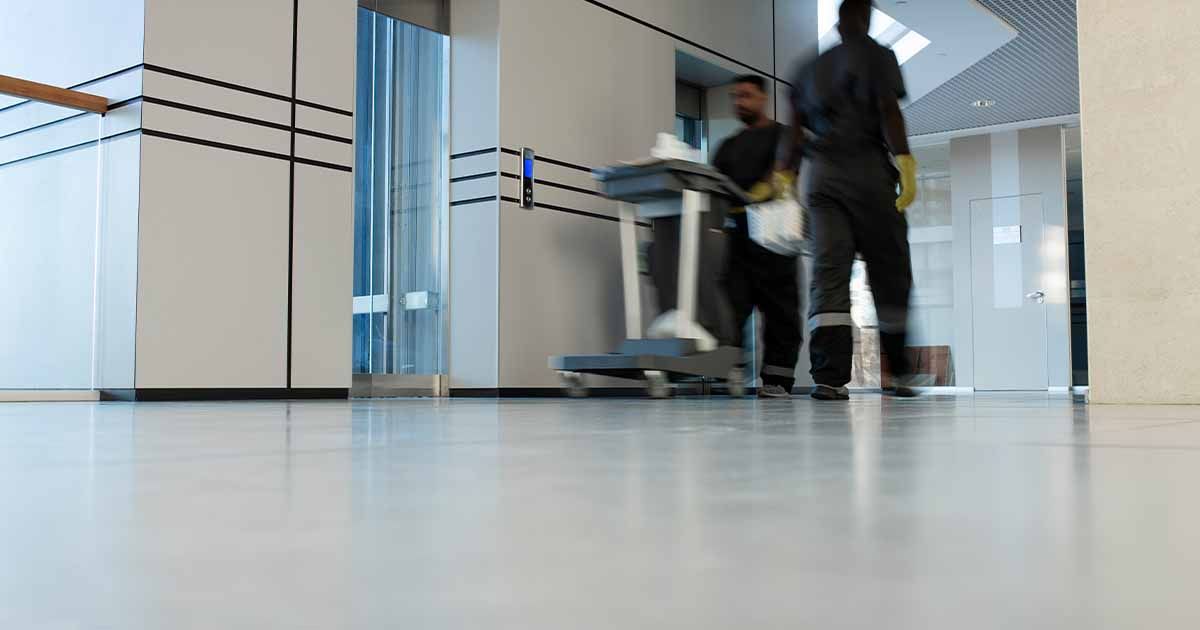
{"x":1034,"y":76}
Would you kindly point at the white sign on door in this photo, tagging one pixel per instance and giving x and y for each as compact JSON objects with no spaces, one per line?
{"x":1006,"y":235}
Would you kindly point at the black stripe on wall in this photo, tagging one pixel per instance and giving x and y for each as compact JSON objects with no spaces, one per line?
{"x":217,"y":82}
{"x":324,"y":108}
{"x":574,"y":211}
{"x":324,"y":136}
{"x":125,"y":103}
{"x":79,"y":145}
{"x":98,"y":79}
{"x":292,"y":187}
{"x":548,"y":160}
{"x":543,"y":182}
{"x":154,"y":100}
{"x":246,"y":89}
{"x":585,"y":191}
{"x":68,"y":117}
{"x":467,"y":178}
{"x":472,"y":153}
{"x":467,"y":202}
{"x":320,"y":164}
{"x":564,"y":164}
{"x":166,"y":135}
{"x":46,"y":124}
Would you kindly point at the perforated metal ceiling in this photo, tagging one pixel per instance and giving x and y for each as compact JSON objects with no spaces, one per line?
{"x":1034,"y":76}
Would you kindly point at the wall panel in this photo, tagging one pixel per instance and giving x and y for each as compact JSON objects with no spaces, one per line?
{"x":212,"y":268}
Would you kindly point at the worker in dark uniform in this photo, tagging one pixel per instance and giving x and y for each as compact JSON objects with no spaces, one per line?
{"x":753,"y":276}
{"x":857,"y":154}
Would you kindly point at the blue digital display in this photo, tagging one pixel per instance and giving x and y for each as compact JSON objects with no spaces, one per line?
{"x":528,"y":168}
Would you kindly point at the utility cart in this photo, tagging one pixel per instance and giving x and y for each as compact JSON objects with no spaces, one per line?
{"x":685,"y":204}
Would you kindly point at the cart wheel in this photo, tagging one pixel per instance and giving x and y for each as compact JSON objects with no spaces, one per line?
{"x":737,"y":383}
{"x":657,"y":385}
{"x":573,"y":384}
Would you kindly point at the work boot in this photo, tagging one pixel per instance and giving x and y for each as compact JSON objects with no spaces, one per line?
{"x":828,"y":392}
{"x":902,"y":387}
{"x":773,"y":391}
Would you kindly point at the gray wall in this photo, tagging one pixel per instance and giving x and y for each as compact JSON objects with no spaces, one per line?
{"x":741,"y":30}
{"x":1009,"y":164}
{"x":199,"y":193}
{"x":213,"y":255}
{"x":581,"y":85}
{"x":474,"y":227}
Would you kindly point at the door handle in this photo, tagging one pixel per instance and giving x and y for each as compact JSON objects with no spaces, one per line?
{"x":1040,"y":296}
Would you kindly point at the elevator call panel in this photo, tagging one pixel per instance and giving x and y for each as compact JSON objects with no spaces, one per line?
{"x":527,"y":161}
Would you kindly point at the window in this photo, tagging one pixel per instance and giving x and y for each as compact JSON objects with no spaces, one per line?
{"x":689,"y":130}
{"x":689,"y":114}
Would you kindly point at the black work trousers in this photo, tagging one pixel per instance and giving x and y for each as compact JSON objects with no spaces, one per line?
{"x":757,"y":278}
{"x":851,"y":203}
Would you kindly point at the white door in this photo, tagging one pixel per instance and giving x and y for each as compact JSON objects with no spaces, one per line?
{"x":1009,"y":310}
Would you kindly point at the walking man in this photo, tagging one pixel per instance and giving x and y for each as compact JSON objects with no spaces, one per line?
{"x":857,"y":152}
{"x":755,"y":277}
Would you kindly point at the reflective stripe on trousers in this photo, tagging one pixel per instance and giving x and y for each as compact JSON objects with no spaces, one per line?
{"x":827,"y":320}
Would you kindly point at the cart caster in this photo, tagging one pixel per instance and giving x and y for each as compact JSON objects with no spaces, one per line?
{"x":573,"y":385}
{"x":736,"y":383}
{"x":657,"y":385}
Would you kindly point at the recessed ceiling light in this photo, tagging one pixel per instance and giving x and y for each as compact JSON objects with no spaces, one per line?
{"x":983,"y":103}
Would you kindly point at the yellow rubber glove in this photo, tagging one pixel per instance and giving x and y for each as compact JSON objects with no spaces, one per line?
{"x":908,"y":181}
{"x":772,"y":187}
{"x":762,"y":191}
{"x":784,"y":183}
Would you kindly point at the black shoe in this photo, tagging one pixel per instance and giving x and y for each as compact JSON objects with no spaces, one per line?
{"x":773,"y":391}
{"x":826,"y":392}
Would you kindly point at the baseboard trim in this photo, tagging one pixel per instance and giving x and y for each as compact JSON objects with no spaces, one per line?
{"x":557,"y":392}
{"x":48,"y":395}
{"x":223,"y":394}
{"x":474,"y":392}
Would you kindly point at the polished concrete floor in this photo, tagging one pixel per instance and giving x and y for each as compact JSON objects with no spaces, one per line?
{"x":965,"y":513}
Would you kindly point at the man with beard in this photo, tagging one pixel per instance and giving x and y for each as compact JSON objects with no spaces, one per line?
{"x":755,"y":277}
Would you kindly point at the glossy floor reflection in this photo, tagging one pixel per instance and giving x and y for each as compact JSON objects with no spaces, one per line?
{"x":985,"y":512}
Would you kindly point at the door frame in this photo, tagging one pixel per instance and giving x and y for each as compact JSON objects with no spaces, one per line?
{"x":1045,"y":319}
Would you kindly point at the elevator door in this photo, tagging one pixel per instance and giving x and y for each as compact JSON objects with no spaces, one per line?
{"x":1008,"y":293}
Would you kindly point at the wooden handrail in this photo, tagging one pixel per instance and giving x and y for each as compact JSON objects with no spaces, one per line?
{"x":41,"y":92}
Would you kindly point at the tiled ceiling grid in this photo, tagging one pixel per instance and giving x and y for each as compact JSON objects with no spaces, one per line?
{"x":1034,"y":76}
